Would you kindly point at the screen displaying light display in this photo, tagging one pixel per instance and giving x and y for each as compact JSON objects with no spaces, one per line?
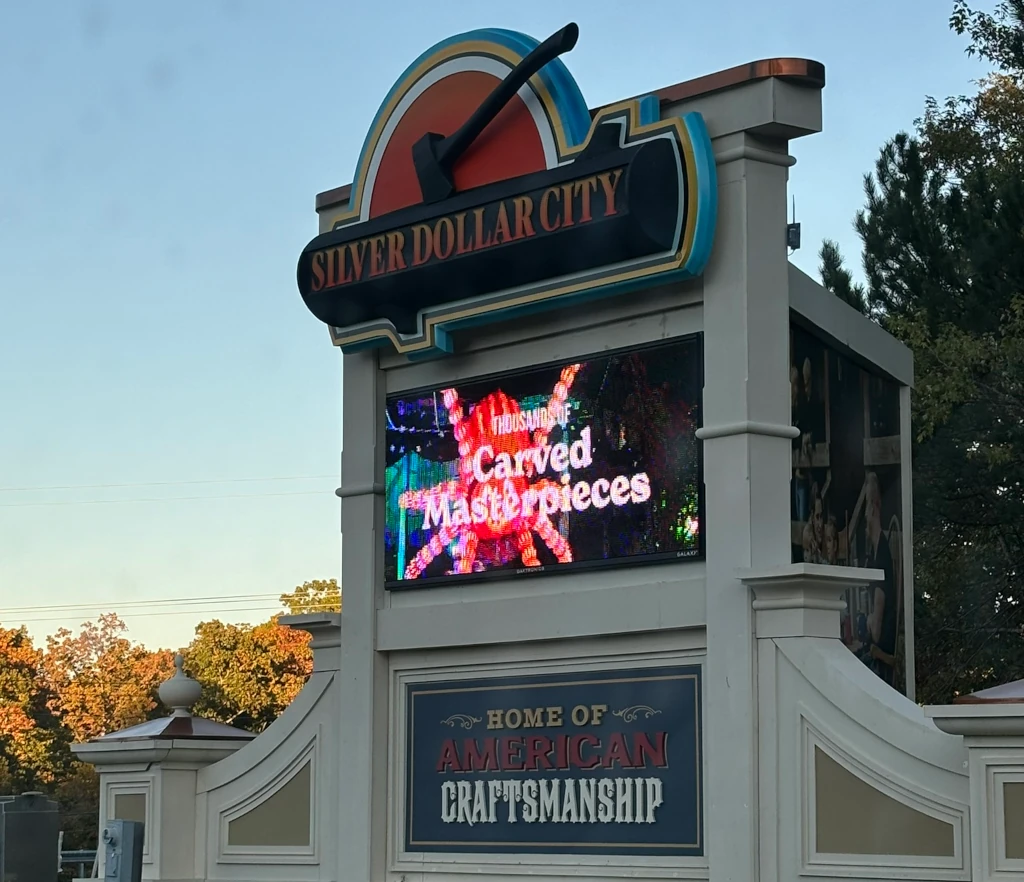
{"x":589,"y":463}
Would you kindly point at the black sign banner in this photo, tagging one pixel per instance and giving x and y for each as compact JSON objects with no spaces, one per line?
{"x":596,"y":763}
{"x":610,"y":205}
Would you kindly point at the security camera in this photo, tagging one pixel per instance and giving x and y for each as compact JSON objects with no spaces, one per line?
{"x":109,"y":837}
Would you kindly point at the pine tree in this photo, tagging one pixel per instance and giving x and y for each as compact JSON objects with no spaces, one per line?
{"x":838,"y":279}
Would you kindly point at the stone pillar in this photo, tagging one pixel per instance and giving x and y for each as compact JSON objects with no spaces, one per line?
{"x":746,"y":421}
{"x":363,"y":684}
{"x":148,"y":773}
{"x":992,"y":725}
{"x":747,"y":433}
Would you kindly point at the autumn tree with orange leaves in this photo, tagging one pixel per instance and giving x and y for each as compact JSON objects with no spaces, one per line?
{"x":100,"y":681}
{"x":33,"y":741}
{"x":85,"y":685}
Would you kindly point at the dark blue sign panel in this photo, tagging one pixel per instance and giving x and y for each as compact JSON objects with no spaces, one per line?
{"x":572,"y":763}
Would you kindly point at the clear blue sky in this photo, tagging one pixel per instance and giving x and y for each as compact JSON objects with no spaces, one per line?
{"x":157,"y":177}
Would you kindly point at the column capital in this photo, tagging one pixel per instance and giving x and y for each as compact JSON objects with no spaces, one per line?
{"x":802,"y":600}
{"x":769,"y":108}
{"x":325,"y":631}
{"x":995,"y":713}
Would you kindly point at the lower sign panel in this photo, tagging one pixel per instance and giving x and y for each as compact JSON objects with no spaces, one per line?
{"x":595,"y":763}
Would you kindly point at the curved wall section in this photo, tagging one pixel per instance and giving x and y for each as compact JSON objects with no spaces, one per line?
{"x":865,"y":786}
{"x":266,"y":811}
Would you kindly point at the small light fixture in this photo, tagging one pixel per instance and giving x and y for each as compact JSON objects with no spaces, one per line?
{"x":793,"y":231}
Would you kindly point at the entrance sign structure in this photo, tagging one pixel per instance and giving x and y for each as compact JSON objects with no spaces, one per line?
{"x":544,"y":203}
{"x":618,"y":484}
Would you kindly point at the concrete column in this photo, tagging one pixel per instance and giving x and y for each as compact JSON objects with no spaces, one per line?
{"x":153,"y":767}
{"x":363,"y":727}
{"x":161,"y":773}
{"x":747,"y":460}
{"x":992,"y":725}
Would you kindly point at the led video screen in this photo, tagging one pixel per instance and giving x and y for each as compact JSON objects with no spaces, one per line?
{"x":590,"y":463}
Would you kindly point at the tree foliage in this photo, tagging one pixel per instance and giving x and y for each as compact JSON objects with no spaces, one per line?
{"x":249,"y":674}
{"x":320,"y":595}
{"x":838,"y":279}
{"x":100,"y":681}
{"x":32,"y":739}
{"x":942,"y":233}
{"x":96,"y":681}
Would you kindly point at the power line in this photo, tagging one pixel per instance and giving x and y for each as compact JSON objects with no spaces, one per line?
{"x":273,"y":609}
{"x":162,"y":499}
{"x":138,"y":615}
{"x":173,"y":606}
{"x":47,"y":488}
{"x":216,"y":598}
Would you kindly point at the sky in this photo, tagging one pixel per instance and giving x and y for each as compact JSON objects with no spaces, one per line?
{"x":170,"y":412}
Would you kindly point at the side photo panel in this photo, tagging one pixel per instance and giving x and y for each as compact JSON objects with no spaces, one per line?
{"x":847,"y":493}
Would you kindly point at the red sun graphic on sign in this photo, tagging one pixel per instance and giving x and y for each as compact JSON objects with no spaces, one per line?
{"x":510,"y":146}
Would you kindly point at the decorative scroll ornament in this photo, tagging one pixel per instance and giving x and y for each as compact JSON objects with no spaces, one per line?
{"x":629,"y":714}
{"x":464,"y":721}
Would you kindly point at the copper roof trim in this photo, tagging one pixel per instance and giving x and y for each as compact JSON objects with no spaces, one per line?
{"x":179,"y":728}
{"x":798,"y":71}
{"x":333,"y":197}
{"x":970,"y":699}
{"x":1005,"y":693}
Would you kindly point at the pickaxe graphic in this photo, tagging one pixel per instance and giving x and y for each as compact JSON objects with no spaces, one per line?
{"x":434,"y":156}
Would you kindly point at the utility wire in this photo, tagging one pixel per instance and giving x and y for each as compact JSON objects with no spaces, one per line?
{"x":162,"y":499}
{"x":220,"y":598}
{"x":137,"y":615}
{"x":43,"y":489}
{"x":130,"y":609}
{"x":272,"y":609}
